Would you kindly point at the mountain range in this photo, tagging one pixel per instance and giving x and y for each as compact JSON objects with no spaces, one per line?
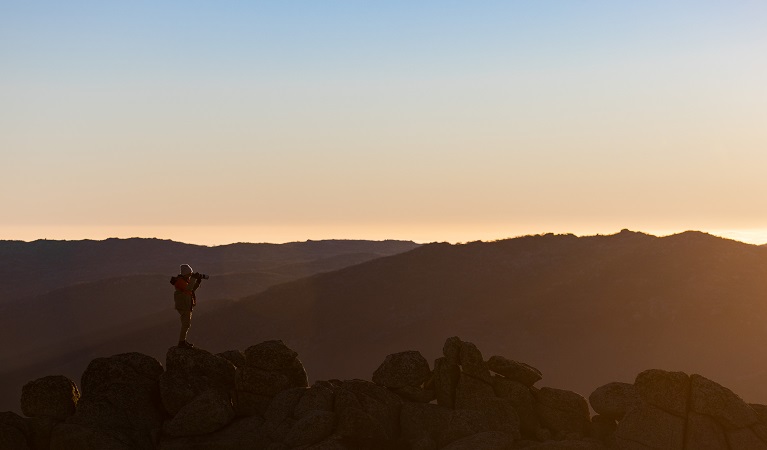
{"x":584,"y":310}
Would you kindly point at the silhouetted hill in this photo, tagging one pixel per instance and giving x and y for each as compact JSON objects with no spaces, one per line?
{"x":33,"y":268}
{"x":584,"y":310}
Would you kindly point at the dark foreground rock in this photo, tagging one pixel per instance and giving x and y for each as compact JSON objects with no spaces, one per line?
{"x":260,"y":398}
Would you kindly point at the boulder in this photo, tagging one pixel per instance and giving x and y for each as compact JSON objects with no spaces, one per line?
{"x":704,"y":433}
{"x":651,"y":427}
{"x":235,"y":357}
{"x":120,"y":404}
{"x":470,"y":389}
{"x":668,"y":391}
{"x":452,"y":350}
{"x":569,"y":444}
{"x":54,"y":397}
{"x":189,"y":373}
{"x":312,"y":428}
{"x":402,"y":369}
{"x":472,"y":362}
{"x":415,"y":394}
{"x":513,"y":370}
{"x":523,"y":402}
{"x":745,"y":438}
{"x":446,"y":376}
{"x":208,"y":412}
{"x":603,"y":429}
{"x":417,"y":419}
{"x":712,"y":399}
{"x":319,"y":397}
{"x":614,"y":400}
{"x":563,"y":412}
{"x":270,"y":368}
{"x":464,"y":423}
{"x":366,"y":410}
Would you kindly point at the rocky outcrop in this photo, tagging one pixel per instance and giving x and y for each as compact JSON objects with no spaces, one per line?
{"x":260,"y":398}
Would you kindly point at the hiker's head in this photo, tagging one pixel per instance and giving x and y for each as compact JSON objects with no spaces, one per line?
{"x":185,"y":270}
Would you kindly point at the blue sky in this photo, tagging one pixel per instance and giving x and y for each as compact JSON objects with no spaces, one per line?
{"x":424,"y":120}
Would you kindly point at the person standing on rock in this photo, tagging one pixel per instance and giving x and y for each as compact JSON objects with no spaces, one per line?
{"x":186,"y":283}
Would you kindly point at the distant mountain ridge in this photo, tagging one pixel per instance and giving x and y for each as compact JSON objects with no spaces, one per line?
{"x":33,"y":268}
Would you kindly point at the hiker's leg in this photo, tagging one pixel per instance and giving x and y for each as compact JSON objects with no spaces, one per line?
{"x":186,"y":322}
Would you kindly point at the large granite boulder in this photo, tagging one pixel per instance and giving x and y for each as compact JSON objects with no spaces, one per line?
{"x":367,"y":411}
{"x":270,"y":367}
{"x":565,"y":413}
{"x":54,"y":397}
{"x":208,"y":412}
{"x":521,"y":398}
{"x":404,"y":369}
{"x":446,"y":376}
{"x":120,"y":406}
{"x":720,"y":403}
{"x":668,"y":391}
{"x":190,"y":372}
{"x":614,"y":400}
{"x":513,"y":370}
{"x":648,"y":426}
{"x":490,"y":440}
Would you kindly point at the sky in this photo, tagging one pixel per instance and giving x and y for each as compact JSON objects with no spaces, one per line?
{"x":275,"y":121}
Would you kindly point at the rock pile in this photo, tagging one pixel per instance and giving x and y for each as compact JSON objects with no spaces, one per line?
{"x":260,"y":399}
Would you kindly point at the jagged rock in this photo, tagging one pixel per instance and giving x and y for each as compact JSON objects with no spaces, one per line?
{"x":563,"y":412}
{"x":402,"y":369}
{"x":452,"y":350}
{"x":472,"y":362}
{"x":242,"y":434}
{"x":53,"y":396}
{"x":208,"y":412}
{"x":470,"y":389}
{"x":704,"y":433}
{"x":13,"y":432}
{"x":270,"y":368}
{"x":712,"y":399}
{"x":415,"y":394}
{"x":312,"y":428}
{"x":513,"y":370}
{"x":189,"y":373}
{"x":523,"y":402}
{"x":446,"y":376}
{"x":668,"y":391}
{"x":235,"y":357}
{"x":614,"y":399}
{"x":651,"y":427}
{"x":491,"y":440}
{"x":120,"y":405}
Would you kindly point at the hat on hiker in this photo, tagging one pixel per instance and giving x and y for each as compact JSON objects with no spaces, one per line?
{"x":185,"y":269}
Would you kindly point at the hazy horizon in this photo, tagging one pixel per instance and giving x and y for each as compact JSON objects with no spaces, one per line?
{"x":427,"y":121}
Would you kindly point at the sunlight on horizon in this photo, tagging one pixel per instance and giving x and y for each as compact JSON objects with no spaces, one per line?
{"x":224,"y":235}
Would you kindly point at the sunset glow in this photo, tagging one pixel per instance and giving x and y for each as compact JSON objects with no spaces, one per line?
{"x":275,"y":122}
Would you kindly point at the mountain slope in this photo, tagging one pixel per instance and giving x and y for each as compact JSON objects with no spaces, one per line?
{"x":583,"y":310}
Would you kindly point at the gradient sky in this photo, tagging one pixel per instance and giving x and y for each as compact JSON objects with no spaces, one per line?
{"x":273,"y":121}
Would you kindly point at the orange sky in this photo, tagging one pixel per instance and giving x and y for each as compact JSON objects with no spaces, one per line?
{"x":428,"y":121}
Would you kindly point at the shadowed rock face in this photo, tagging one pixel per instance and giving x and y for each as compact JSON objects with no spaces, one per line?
{"x":260,"y":398}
